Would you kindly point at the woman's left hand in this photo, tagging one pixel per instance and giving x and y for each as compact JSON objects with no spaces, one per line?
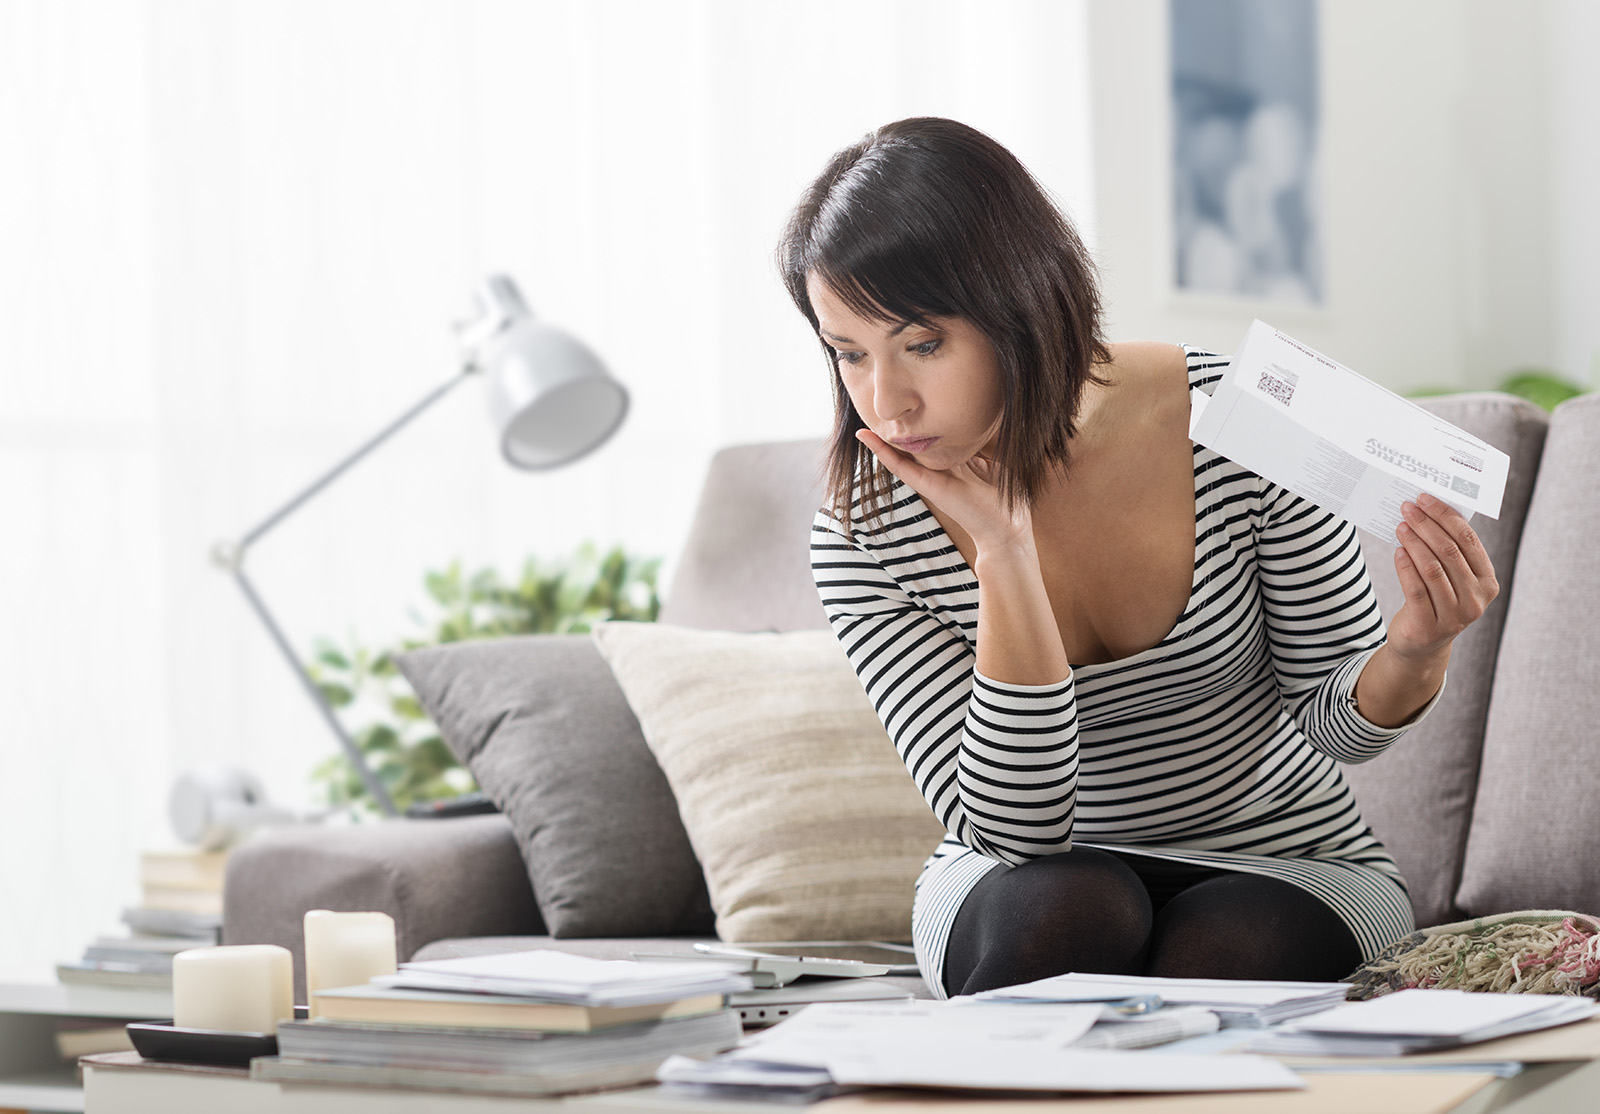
{"x":1446,"y":575}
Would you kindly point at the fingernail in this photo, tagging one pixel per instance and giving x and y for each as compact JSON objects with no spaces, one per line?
{"x":1408,"y":509}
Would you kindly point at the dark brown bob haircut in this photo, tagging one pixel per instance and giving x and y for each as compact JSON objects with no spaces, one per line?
{"x":926,"y":218}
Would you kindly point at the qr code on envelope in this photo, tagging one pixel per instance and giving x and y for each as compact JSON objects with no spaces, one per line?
{"x":1279,"y":384}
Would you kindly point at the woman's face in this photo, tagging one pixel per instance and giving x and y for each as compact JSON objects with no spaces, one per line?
{"x":932,"y":391}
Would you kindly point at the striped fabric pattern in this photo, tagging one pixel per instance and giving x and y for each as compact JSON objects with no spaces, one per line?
{"x":1219,"y":747}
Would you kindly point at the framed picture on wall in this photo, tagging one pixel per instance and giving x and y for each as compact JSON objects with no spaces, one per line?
{"x":1246,"y":166}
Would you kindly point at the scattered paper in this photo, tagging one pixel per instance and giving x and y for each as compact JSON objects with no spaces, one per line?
{"x":1312,"y":425}
{"x":1236,"y":1002}
{"x":996,"y":1045}
{"x":747,"y":1072}
{"x":1043,"y":1025}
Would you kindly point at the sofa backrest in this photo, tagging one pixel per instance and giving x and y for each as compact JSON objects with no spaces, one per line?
{"x":1418,"y":795}
{"x":1535,"y":836}
{"x":747,"y":563}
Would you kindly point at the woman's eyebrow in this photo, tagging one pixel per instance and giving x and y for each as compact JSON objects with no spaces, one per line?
{"x":896,"y":331}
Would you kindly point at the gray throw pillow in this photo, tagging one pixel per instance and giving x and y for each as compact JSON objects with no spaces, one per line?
{"x":544,"y":728}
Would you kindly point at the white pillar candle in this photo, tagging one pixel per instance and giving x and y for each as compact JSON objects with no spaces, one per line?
{"x":247,"y":988}
{"x":347,"y":949}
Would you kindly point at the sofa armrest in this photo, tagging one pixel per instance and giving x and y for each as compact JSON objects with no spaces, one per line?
{"x":436,"y":878}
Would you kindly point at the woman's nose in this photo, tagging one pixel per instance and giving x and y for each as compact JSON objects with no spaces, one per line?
{"x":892,"y":396}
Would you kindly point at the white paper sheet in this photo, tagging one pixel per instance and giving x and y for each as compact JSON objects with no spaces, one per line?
{"x":1042,"y":1024}
{"x":1312,"y":425}
{"x":992,"y":1045}
{"x":1201,"y":992}
{"x":1235,"y":1002}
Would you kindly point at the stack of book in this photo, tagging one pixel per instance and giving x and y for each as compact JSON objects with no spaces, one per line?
{"x":527,"y":1023}
{"x":180,"y":908}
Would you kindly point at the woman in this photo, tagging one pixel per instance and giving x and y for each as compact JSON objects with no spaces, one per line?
{"x":1120,"y":668}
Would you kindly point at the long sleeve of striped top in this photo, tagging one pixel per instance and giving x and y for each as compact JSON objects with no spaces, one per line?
{"x":998,"y":763}
{"x":1322,"y":622}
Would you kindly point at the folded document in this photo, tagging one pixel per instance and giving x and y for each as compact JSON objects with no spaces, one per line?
{"x":1310,"y":424}
{"x":1237,"y":1002}
{"x":1421,"y":1021}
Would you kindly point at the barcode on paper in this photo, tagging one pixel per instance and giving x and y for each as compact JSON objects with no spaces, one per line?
{"x":1279,"y":383}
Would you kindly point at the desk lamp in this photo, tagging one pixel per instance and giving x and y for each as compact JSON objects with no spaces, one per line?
{"x":551,"y":401}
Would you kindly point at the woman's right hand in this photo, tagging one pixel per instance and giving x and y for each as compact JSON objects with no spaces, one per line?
{"x":1018,"y":641}
{"x":967,"y":493}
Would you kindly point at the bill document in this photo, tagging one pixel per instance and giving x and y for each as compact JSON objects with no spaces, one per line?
{"x":1332,"y":436}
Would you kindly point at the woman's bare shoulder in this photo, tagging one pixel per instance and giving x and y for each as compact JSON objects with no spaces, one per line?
{"x":1144,"y":361}
{"x":1144,"y":376}
{"x":1144,"y":391}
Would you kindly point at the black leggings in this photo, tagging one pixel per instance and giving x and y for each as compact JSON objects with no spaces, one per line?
{"x":1094,"y":911}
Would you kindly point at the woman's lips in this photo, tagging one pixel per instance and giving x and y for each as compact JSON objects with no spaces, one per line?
{"x":913,"y":445}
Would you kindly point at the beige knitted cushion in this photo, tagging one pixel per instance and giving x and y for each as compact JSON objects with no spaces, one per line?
{"x":804,"y":818}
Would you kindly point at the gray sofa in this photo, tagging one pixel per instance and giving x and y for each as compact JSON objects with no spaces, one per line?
{"x":1491,"y":805}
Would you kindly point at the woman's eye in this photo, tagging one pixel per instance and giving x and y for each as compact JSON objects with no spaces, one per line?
{"x":847,"y":357}
{"x":926,"y":348}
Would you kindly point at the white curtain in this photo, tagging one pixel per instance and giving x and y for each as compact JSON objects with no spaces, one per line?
{"x":233,"y":236}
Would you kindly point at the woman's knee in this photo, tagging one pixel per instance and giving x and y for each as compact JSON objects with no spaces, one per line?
{"x":1082,"y":910}
{"x":1083,"y":888}
{"x":1242,"y":926}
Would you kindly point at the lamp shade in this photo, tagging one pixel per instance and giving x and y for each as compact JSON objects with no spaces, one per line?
{"x":551,"y":399}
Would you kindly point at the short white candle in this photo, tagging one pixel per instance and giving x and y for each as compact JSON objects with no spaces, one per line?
{"x":347,"y":949}
{"x":247,"y":988}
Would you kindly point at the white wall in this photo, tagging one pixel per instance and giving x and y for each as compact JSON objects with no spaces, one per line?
{"x":1573,"y":179}
{"x":236,"y":233}
{"x":1436,"y":151}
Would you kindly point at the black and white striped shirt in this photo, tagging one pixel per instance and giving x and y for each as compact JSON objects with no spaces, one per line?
{"x":1218,"y":747}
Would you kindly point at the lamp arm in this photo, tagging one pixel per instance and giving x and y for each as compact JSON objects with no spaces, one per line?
{"x":348,"y":462}
{"x":230,"y":556}
{"x":351,"y":751}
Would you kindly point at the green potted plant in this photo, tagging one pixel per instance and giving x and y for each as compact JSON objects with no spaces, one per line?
{"x":393,"y":732}
{"x":1542,"y":388}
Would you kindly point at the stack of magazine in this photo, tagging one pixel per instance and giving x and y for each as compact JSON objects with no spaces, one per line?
{"x":522,"y":1023}
{"x":180,"y":908}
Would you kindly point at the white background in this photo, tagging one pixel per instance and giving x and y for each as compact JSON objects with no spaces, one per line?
{"x":234,"y":234}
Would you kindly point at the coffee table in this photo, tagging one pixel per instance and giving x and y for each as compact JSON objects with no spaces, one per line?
{"x":1567,"y":1087}
{"x":32,"y":1074}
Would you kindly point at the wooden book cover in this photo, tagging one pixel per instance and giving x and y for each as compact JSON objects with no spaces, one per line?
{"x":176,"y":899}
{"x":184,"y":868}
